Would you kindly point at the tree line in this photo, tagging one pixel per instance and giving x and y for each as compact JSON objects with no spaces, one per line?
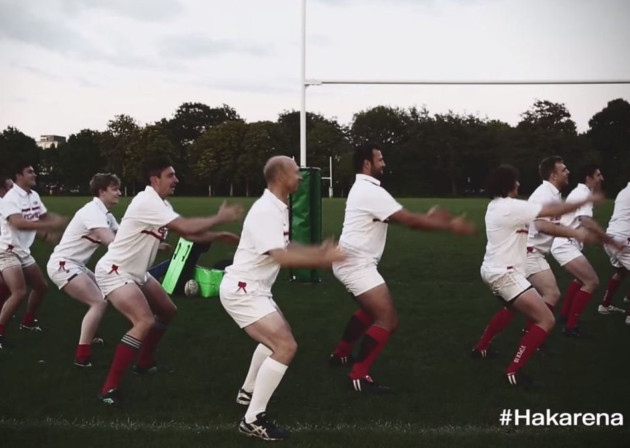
{"x":216,"y":152}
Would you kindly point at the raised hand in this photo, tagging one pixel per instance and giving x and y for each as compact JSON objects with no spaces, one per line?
{"x":439,"y":213}
{"x":229,"y":213}
{"x":461,"y":226}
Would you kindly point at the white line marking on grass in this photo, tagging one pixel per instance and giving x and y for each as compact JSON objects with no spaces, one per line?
{"x":377,"y":427}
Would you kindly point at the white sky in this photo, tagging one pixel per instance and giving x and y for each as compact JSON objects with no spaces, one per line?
{"x":66,"y":65}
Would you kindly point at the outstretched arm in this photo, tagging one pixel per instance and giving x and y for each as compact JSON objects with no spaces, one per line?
{"x":432,"y":221}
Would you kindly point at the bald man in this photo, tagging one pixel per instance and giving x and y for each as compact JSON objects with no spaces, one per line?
{"x":245,"y":292}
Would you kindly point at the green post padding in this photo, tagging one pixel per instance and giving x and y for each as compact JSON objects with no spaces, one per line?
{"x":306,"y":218}
{"x":178,"y":260}
{"x":209,"y":281}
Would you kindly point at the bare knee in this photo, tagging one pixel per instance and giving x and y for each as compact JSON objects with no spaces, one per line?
{"x":285,"y":350}
{"x":167,"y":313}
{"x":143,"y":325}
{"x":547,"y":322}
{"x":388,"y":320}
{"x":591,"y":284}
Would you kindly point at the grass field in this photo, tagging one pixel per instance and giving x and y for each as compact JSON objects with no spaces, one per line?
{"x":443,"y":398}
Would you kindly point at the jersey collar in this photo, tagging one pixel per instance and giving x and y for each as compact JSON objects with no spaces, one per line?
{"x":277,"y":202}
{"x":369,"y":179}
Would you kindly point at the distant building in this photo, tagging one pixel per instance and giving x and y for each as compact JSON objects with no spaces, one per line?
{"x":48,"y":141}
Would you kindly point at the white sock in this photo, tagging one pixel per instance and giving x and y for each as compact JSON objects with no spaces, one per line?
{"x":269,"y":376}
{"x":260,"y":354}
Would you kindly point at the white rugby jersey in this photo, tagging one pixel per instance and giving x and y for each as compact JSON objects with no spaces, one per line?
{"x":368,"y":208}
{"x":30,"y":206}
{"x":142,"y":229}
{"x":507,"y":224}
{"x":76,"y":245}
{"x":578,"y":194}
{"x":546,"y":193}
{"x":266,"y":227}
{"x":619,"y":224}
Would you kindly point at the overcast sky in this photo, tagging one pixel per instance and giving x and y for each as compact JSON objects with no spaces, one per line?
{"x":67,"y":65}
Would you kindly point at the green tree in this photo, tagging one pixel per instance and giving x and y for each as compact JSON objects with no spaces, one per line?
{"x":80,"y":158}
{"x":117,"y":143}
{"x":609,"y":135}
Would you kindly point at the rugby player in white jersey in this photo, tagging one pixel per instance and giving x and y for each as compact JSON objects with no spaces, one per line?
{"x":369,"y":210}
{"x":22,"y":216}
{"x":122,"y":273}
{"x":619,"y":229}
{"x":568,"y":253}
{"x":246,"y":292}
{"x":92,"y":226}
{"x":6,"y":183}
{"x":504,"y":268}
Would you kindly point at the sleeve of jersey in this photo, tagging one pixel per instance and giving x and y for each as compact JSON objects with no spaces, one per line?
{"x":10,"y":207}
{"x":539,"y":200}
{"x":525,"y":212}
{"x":268,"y":236}
{"x":43,"y":207}
{"x":382,"y":204}
{"x":112,"y":223}
{"x":156,"y":214}
{"x":94,"y":220}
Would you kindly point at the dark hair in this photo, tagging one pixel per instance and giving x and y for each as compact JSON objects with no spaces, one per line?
{"x":101,"y":181}
{"x":3,"y":181}
{"x":154,"y":166}
{"x":363,"y":153}
{"x":548,"y":166}
{"x":502,"y":180}
{"x":587,"y":171}
{"x":20,"y":166}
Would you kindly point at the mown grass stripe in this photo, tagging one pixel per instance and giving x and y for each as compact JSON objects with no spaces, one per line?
{"x":381,"y":427}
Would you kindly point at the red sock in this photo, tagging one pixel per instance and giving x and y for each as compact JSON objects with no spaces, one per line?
{"x":497,"y":324}
{"x":572,"y":290}
{"x":355,"y":328}
{"x":3,"y":328}
{"x":611,"y":288}
{"x":29,"y":318}
{"x":373,"y":343}
{"x":149,"y":344}
{"x":527,"y":347}
{"x":579,"y":303}
{"x":125,"y":353}
{"x":84,"y":352}
{"x":531,"y":324}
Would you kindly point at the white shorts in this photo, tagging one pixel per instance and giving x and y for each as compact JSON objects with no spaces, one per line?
{"x":61,"y":272}
{"x":245,"y":301}
{"x":619,"y":259}
{"x":507,"y":285}
{"x":110,"y":280}
{"x":358,"y":278}
{"x":565,"y":250}
{"x":11,"y":259}
{"x":536,"y":262}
